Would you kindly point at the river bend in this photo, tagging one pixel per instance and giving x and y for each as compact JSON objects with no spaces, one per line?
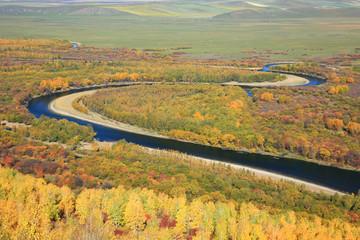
{"x":335,"y":178}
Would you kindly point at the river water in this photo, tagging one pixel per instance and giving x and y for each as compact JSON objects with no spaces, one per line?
{"x":331,"y":177}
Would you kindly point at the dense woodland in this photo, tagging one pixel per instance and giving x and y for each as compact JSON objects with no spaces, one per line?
{"x":165,"y":175}
{"x":314,"y":124}
{"x":57,"y":183}
{"x":24,"y":78}
{"x":32,"y":209}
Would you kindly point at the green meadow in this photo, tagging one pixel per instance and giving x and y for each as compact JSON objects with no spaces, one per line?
{"x":208,"y":37}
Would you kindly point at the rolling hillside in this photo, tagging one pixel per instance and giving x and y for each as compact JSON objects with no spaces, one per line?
{"x":191,"y":9}
{"x":60,"y":10}
{"x":291,"y":13}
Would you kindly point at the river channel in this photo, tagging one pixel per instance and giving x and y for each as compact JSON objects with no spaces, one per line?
{"x":335,"y":178}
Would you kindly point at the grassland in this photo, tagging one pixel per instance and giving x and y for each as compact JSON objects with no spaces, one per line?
{"x":175,"y":9}
{"x":295,"y":38}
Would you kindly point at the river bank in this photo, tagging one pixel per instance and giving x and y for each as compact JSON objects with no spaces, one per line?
{"x":63,"y":106}
{"x":291,"y":80}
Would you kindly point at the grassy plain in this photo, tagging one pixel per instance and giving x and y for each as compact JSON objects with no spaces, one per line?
{"x":175,"y":9}
{"x":209,"y":38}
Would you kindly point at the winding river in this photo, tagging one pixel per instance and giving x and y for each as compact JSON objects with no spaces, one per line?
{"x":339,"y":179}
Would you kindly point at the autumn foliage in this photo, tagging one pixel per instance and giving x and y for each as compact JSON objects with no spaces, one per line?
{"x":32,"y":209}
{"x":335,"y":124}
{"x":340,"y":75}
{"x":57,"y":183}
{"x":338,"y":89}
{"x":267,"y":97}
{"x":203,"y":114}
{"x":353,"y":128}
{"x":55,"y":84}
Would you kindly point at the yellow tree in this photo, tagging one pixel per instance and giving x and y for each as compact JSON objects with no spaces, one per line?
{"x":269,"y":97}
{"x":350,"y":80}
{"x":233,"y":228}
{"x":134,"y":213}
{"x":151,"y":204}
{"x":115,"y":205}
{"x":87,"y":202}
{"x":9,"y":217}
{"x":34,"y":222}
{"x":336,"y":80}
{"x":67,"y":203}
{"x":221,"y":229}
{"x":208,"y":218}
{"x":353,"y":128}
{"x":181,"y":215}
{"x":332,"y":90}
{"x":139,"y":54}
{"x":43,"y":83}
{"x":257,"y":233}
{"x":134,"y":77}
{"x":196,"y":213}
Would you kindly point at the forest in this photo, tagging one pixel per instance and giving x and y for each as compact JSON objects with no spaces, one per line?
{"x":24,"y":78}
{"x":51,"y":212}
{"x":276,"y":121}
{"x":56,"y":182}
{"x":84,"y":186}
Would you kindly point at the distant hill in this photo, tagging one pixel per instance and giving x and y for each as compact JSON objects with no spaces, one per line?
{"x":291,"y":13}
{"x":234,"y":4}
{"x":98,"y":11}
{"x":227,"y":3}
{"x":60,"y":10}
{"x":222,"y":9}
{"x":289,"y":4}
